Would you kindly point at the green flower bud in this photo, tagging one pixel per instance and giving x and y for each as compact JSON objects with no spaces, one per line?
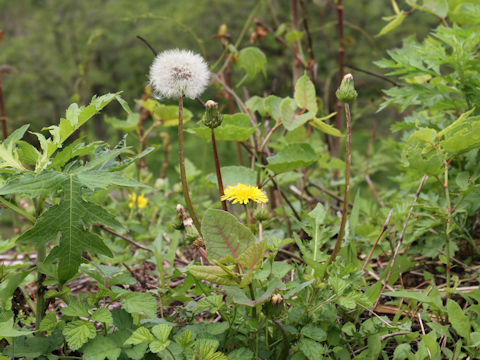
{"x":261,"y":214}
{"x":346,"y":92}
{"x":212,"y":117}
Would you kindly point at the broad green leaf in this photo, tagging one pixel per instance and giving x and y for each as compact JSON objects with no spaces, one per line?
{"x":27,"y":153}
{"x":437,"y":7}
{"x":128,"y":125}
{"x":252,"y":60}
{"x":139,"y":336}
{"x":100,"y":348}
{"x":291,"y":157}
{"x":239,"y":297}
{"x":272,"y":106}
{"x":78,"y":332}
{"x":103,"y":315}
{"x":69,"y":217}
{"x":393,"y":24}
{"x":136,"y":302}
{"x":432,"y":299}
{"x":234,"y":127}
{"x":305,"y":97}
{"x":458,"y":319}
{"x":49,"y":322}
{"x":224,"y":235}
{"x":241,"y":354}
{"x":432,"y":345}
{"x":252,"y":257}
{"x":314,"y":332}
{"x":232,"y":175}
{"x":75,"y":308}
{"x":162,"y":332}
{"x":12,"y":283}
{"x":290,"y":118}
{"x":311,"y":349}
{"x":7,"y":330}
{"x":256,"y":103}
{"x":293,"y":35}
{"x":462,"y":136}
{"x":157,"y":346}
{"x":42,"y":184}
{"x":214,"y":274}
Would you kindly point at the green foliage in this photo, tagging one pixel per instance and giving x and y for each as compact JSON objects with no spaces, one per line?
{"x":112,"y":267}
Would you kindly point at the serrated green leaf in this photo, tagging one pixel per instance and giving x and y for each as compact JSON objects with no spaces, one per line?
{"x":42,"y":184}
{"x":139,"y":336}
{"x":49,"y":322}
{"x":162,"y":332}
{"x":311,"y":349}
{"x":78,"y":333}
{"x":100,"y":348}
{"x":305,"y":96}
{"x":137,"y":302}
{"x":75,"y":308}
{"x":157,"y":346}
{"x":69,"y":218}
{"x":314,"y":332}
{"x":291,"y":157}
{"x":103,"y":315}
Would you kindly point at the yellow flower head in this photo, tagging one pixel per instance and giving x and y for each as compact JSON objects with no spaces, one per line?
{"x":140,"y":201}
{"x":242,"y":194}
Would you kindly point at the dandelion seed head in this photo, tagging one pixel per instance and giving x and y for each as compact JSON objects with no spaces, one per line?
{"x":175,"y":73}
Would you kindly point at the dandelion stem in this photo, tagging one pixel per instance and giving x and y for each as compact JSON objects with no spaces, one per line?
{"x":336,"y":249}
{"x":217,"y":168}
{"x":183,"y":174}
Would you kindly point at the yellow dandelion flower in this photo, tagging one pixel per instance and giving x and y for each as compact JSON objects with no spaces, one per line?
{"x":141,"y":201}
{"x":242,"y":194}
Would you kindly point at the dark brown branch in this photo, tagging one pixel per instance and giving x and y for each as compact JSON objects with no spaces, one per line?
{"x":380,"y":76}
{"x":148,"y":45}
{"x":133,"y":242}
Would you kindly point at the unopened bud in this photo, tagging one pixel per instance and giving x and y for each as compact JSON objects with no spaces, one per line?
{"x":346,"y":92}
{"x":277,"y":298}
{"x":261,"y":214}
{"x":212,"y":117}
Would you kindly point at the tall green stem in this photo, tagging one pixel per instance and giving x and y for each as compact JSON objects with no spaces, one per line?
{"x":183,"y":174}
{"x":347,"y":185}
{"x":40,"y":311}
{"x":447,"y":226}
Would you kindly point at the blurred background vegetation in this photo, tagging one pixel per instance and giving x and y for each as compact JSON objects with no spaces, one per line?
{"x":66,"y":51}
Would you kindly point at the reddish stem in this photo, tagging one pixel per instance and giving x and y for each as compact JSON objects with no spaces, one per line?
{"x":217,"y":168}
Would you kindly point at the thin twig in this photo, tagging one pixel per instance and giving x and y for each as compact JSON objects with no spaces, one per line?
{"x":385,"y":227}
{"x":380,"y":76}
{"x":328,"y":192}
{"x":148,"y":45}
{"x":133,"y":242}
{"x":402,"y":235}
